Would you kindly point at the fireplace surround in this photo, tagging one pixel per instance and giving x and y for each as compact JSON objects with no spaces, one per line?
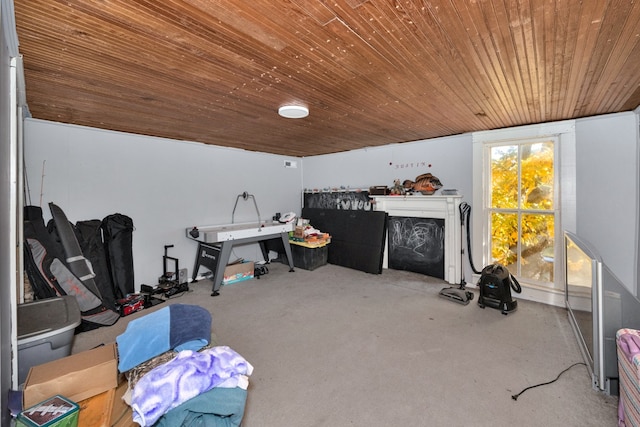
{"x":435,"y":206}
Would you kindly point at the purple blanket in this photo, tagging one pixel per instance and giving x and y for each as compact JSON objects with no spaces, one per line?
{"x":185,"y":377}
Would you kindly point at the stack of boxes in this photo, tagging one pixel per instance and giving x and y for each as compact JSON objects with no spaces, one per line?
{"x":309,"y":247}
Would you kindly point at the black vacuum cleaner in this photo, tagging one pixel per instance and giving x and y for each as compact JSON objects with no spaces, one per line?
{"x":460,"y":294}
{"x":495,"y":288}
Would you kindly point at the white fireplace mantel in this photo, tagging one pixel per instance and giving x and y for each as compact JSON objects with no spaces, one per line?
{"x":443,"y":207}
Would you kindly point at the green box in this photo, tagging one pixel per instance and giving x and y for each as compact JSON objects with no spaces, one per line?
{"x":53,"y":412}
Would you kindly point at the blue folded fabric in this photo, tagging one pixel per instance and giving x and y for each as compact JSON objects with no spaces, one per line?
{"x":175,"y":327}
{"x":190,"y":327}
{"x":218,"y":407}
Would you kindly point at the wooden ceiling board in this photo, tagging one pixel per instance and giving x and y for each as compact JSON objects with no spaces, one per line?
{"x":408,"y":83}
{"x":372,"y":72}
{"x":625,"y":54}
{"x":455,"y":75}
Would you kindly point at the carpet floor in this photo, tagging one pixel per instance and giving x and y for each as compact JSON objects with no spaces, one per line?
{"x":339,"y":347}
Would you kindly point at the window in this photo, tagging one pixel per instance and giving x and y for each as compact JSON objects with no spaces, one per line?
{"x":521,"y":207}
{"x":523,"y":197}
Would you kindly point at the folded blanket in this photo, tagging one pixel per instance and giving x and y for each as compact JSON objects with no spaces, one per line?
{"x":630,"y":345}
{"x":176,"y":327}
{"x":186,"y":376}
{"x":218,"y":407}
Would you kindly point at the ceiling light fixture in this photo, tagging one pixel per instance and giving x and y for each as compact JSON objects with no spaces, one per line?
{"x":293,"y":111}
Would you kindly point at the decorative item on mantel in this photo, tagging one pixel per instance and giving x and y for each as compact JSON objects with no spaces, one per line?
{"x":379,"y":190}
{"x":397,"y":189}
{"x":426,"y":184}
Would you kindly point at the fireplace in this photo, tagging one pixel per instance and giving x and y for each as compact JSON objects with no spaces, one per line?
{"x":445,"y":208}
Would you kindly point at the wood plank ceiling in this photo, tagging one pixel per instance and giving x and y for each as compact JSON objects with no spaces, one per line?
{"x":371,"y":72}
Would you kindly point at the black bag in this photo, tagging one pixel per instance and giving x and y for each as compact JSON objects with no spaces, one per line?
{"x":495,"y":288}
{"x":89,"y":235}
{"x":117,"y":230}
{"x":43,"y":283}
{"x":49,"y":275}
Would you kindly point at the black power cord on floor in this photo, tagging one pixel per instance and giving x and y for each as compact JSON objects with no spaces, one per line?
{"x":515,"y":396}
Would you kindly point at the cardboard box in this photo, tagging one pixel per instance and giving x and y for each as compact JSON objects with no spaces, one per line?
{"x":121,"y":413}
{"x":93,"y":411}
{"x":238,"y":272}
{"x":75,"y":377}
{"x":298,"y":232}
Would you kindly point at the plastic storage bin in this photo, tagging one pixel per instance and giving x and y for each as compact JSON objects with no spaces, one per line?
{"x":309,"y":258}
{"x":45,"y":331}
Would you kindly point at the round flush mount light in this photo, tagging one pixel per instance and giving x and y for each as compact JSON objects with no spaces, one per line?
{"x":293,"y":111}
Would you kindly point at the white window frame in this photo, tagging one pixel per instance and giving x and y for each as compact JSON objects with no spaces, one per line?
{"x":565,"y":164}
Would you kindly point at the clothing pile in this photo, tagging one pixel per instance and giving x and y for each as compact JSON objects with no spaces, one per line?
{"x":175,"y":376}
{"x":628,"y":351}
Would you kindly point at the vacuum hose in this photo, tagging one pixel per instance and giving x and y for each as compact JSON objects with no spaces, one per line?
{"x":465,"y":213}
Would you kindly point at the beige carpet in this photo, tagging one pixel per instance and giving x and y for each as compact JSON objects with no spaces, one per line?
{"x":338,"y":347}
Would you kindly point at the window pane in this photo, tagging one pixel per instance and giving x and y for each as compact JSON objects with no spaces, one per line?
{"x":537,"y":247}
{"x":504,"y":177}
{"x":504,"y":238}
{"x":537,"y":176}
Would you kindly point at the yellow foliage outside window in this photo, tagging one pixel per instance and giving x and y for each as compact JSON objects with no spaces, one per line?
{"x":522,"y":203}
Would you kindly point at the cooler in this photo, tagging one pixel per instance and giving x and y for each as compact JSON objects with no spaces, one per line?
{"x":45,"y":331}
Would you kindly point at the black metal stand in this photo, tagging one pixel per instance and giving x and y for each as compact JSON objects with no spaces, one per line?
{"x":215,"y":257}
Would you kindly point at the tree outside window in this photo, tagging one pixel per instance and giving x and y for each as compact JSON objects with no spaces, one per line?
{"x":522,"y":208}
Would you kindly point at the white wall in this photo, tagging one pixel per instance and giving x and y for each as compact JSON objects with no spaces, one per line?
{"x":447,"y":158}
{"x":607,"y":190}
{"x":607,"y":165}
{"x":164,"y":185}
